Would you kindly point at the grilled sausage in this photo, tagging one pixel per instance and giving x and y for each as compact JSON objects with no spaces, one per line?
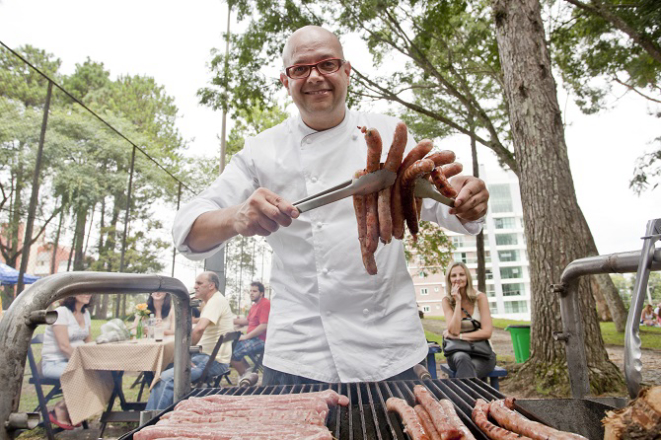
{"x":480,"y":413}
{"x":418,"y":169}
{"x":374,"y":147}
{"x":518,"y":423}
{"x":361,"y":212}
{"x":426,"y":422}
{"x":417,"y":153}
{"x":448,"y":407}
{"x":442,"y":157}
{"x":437,"y":414}
{"x":392,"y":163}
{"x":441,"y":183}
{"x":410,"y":420}
{"x":452,"y":169}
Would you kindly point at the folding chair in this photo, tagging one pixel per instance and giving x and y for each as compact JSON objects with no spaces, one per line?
{"x":203,"y":380}
{"x":39,"y":381}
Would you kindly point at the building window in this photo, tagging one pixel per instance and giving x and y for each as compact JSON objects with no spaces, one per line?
{"x":506,"y":256}
{"x":514,"y":289}
{"x":424,"y":291}
{"x":510,"y":272}
{"x":436,"y":289}
{"x":488,"y":275}
{"x":500,"y":198}
{"x":422,"y":274}
{"x":463,"y":241}
{"x":516,"y":307}
{"x":505,"y":223}
{"x":426,"y":309}
{"x":493,"y":307}
{"x":506,"y":239}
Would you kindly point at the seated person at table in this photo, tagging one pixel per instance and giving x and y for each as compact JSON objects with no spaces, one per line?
{"x":215,"y":320}
{"x":72,"y":328}
{"x":252,"y":342}
{"x":463,"y":304}
{"x":648,"y":317}
{"x":160,"y":305}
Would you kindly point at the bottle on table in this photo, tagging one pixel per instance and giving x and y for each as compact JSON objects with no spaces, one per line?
{"x":150,"y":326}
{"x":159,"y":331}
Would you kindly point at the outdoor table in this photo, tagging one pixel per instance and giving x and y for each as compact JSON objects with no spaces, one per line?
{"x":94,"y":372}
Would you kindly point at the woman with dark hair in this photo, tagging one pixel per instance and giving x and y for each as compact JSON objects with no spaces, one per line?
{"x":468,"y":318}
{"x":72,"y":328}
{"x":160,"y":305}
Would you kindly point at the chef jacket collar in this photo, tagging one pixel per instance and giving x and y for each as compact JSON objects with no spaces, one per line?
{"x":302,"y":130}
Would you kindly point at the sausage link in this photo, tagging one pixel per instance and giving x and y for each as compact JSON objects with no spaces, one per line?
{"x":480,"y":413}
{"x":437,"y":414}
{"x":418,"y":169}
{"x":368,"y":260}
{"x":372,"y":238}
{"x":452,"y":169}
{"x":442,"y":157}
{"x":417,"y":153}
{"x":518,"y":423}
{"x":397,"y":147}
{"x":360,"y":210}
{"x":441,"y":183}
{"x":426,"y":422}
{"x":448,"y":407}
{"x":374,"y":148}
{"x":418,"y":207}
{"x":385,"y":216}
{"x":410,"y":420}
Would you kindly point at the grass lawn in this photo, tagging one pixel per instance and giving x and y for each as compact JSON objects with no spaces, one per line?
{"x":650,"y":337}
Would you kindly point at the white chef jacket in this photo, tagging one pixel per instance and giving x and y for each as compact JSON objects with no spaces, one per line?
{"x":330,"y":321}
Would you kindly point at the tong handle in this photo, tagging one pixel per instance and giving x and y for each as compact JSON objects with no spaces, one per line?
{"x":423,"y":188}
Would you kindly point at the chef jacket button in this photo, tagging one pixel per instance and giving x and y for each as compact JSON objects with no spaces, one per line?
{"x":308,"y":140}
{"x":354,"y":137}
{"x":365,"y":312}
{"x":319,"y":227}
{"x":328,"y":312}
{"x":313,"y":179}
{"x":325,"y":270}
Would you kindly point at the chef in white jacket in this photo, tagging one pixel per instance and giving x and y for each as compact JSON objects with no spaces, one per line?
{"x":330,"y":321}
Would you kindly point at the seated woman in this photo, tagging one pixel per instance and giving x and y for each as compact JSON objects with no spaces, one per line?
{"x":160,"y":305}
{"x":72,"y":328}
{"x":648,"y":317}
{"x":461,"y":303}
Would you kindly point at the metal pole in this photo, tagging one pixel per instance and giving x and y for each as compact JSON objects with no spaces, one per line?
{"x":27,"y":240}
{"x":174,"y":248}
{"x":18,"y":324}
{"x":572,"y":334}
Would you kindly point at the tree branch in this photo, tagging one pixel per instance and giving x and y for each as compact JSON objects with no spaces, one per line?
{"x":635,"y":90}
{"x":597,"y":8}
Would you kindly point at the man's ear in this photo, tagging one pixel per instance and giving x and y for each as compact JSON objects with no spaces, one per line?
{"x":347,"y":69}
{"x":284,"y":80}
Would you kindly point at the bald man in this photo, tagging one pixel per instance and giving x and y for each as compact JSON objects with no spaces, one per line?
{"x":330,"y":321}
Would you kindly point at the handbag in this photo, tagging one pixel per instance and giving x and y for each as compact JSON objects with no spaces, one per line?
{"x":474,"y":348}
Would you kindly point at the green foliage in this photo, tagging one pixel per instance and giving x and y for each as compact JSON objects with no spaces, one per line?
{"x":648,"y":170}
{"x":432,"y":250}
{"x":589,"y":47}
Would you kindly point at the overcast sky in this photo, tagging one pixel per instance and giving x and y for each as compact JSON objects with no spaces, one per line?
{"x":171,"y":41}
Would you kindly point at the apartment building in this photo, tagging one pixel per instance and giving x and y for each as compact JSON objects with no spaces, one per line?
{"x":507,"y":267}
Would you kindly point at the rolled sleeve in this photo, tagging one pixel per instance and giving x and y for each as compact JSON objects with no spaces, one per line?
{"x":234,"y":186}
{"x":440,"y":214}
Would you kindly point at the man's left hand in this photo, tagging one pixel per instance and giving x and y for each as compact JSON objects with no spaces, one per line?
{"x":472,"y":198}
{"x":242,"y":337}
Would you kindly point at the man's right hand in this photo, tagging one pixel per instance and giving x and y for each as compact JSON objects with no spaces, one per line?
{"x":263,"y":213}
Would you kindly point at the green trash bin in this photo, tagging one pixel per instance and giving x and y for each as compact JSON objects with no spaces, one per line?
{"x":521,"y":340}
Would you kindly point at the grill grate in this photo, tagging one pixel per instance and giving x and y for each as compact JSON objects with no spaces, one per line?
{"x":366,"y":417}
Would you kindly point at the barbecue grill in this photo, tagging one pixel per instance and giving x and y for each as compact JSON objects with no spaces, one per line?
{"x":366,"y":416}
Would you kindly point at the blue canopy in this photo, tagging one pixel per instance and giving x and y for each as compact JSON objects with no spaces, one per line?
{"x":9,"y":275}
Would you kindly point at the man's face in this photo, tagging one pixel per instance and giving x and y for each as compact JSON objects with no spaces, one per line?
{"x":255,"y":294}
{"x":203,"y":287}
{"x":319,"y":98}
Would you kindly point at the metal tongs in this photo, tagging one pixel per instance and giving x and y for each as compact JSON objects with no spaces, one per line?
{"x":367,"y":184}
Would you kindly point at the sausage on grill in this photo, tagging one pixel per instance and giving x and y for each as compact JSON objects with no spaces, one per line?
{"x":426,"y":422}
{"x":409,"y":418}
{"x":518,"y":423}
{"x":480,"y":413}
{"x":438,"y":417}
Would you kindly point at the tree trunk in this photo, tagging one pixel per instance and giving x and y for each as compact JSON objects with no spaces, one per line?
{"x":551,"y":210}
{"x":78,"y":256}
{"x":56,"y":243}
